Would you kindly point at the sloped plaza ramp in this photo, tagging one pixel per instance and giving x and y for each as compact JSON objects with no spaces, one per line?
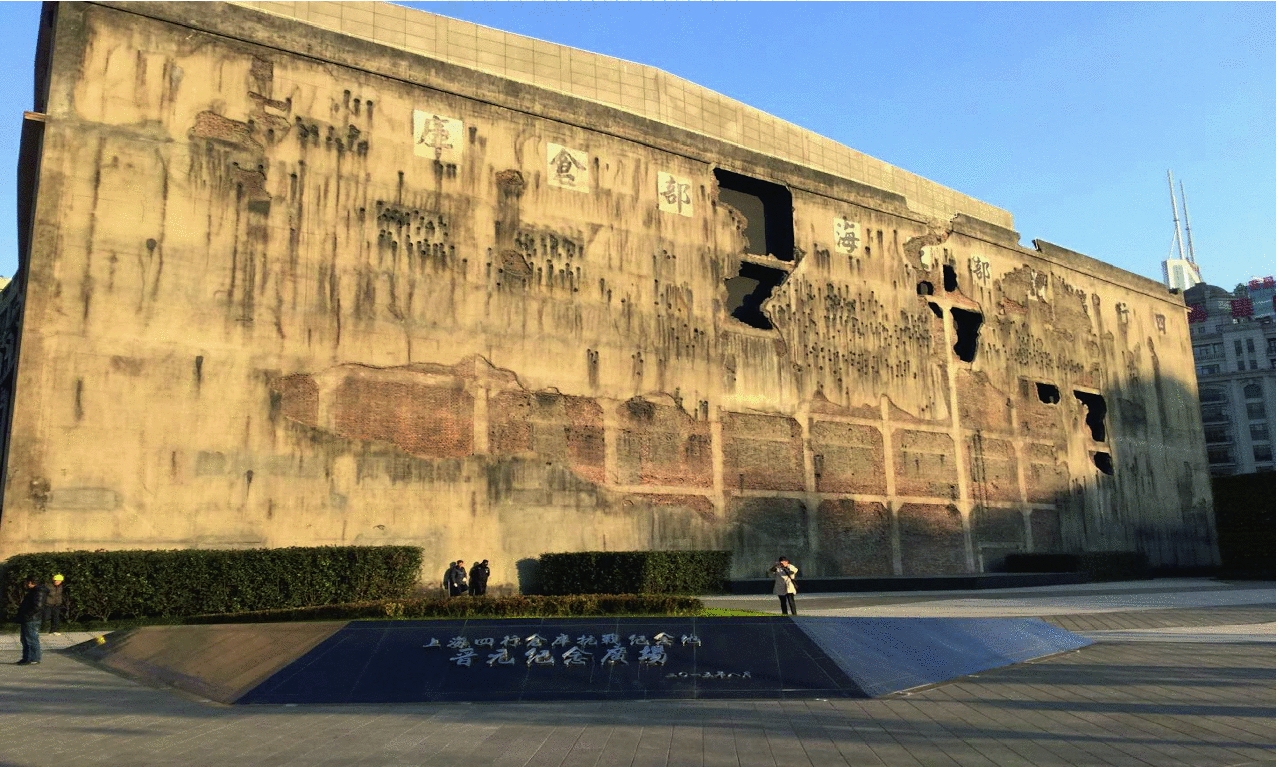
{"x":650,"y":658}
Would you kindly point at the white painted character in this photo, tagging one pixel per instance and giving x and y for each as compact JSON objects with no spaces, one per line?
{"x":575,"y":657}
{"x":537,"y":640}
{"x":653,"y":655}
{"x":612,"y":639}
{"x":485,"y":642}
{"x":586,"y":640}
{"x":614,"y":656}
{"x":690,"y":639}
{"x":458,"y":643}
{"x":433,"y":643}
{"x":638,"y":639}
{"x":663,"y":639}
{"x":510,"y":640}
{"x":561,"y":641}
{"x":501,"y":658}
{"x":464,"y":657}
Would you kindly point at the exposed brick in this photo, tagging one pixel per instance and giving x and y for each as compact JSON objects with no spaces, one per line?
{"x":854,"y":538}
{"x":932,"y":539}
{"x":1045,"y":529}
{"x":762,"y":452}
{"x":299,"y":398}
{"x":551,"y":426}
{"x":992,"y":465}
{"x":662,"y":445}
{"x":925,"y":463}
{"x":426,"y":421}
{"x":981,"y":405}
{"x":852,"y":457}
{"x":1046,"y":478}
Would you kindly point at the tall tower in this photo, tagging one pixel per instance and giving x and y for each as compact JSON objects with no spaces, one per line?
{"x":1182,"y":272}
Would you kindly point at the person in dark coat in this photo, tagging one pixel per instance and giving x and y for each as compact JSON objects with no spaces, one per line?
{"x":29,"y":612}
{"x":53,"y":605}
{"x":455,"y":579}
{"x":479,"y":578}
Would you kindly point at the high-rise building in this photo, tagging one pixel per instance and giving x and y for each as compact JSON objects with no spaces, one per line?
{"x":1181,"y":274}
{"x":1233,"y":338}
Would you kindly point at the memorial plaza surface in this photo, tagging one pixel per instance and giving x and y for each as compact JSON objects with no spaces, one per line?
{"x":1181,"y":673}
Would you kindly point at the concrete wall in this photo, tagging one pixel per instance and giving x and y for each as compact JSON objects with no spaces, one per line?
{"x":263,"y":308}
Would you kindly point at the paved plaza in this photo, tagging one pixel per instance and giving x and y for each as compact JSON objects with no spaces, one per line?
{"x":1183,"y":673}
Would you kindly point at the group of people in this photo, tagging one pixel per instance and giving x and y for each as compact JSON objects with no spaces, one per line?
{"x":457,"y":582}
{"x":41,"y":605}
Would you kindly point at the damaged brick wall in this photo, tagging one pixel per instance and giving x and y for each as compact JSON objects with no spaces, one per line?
{"x":376,"y":298}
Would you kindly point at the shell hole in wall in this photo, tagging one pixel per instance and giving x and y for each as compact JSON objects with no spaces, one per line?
{"x":770,"y":232}
{"x":1048,"y":394}
{"x":748,"y":291}
{"x":935,"y":308}
{"x":967,"y":324}
{"x":1095,"y":414}
{"x":949,"y":281}
{"x":1103,"y":463}
{"x":924,"y":288}
{"x":770,"y":225}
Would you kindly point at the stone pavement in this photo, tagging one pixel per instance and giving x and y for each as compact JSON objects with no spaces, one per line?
{"x":1119,"y":702}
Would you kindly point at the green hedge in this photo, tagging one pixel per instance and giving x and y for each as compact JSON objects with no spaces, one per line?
{"x":477,"y":607}
{"x":634,"y":572}
{"x":133,"y":584}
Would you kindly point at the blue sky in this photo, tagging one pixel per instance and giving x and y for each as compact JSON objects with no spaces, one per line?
{"x":1066,"y":114}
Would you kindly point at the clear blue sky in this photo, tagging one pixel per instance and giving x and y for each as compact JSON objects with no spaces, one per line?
{"x":1068,"y":115}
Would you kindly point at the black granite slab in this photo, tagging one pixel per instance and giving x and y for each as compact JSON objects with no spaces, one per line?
{"x":386,"y":662}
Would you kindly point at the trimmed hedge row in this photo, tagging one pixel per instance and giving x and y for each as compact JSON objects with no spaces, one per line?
{"x":134,"y":584}
{"x":634,"y":572}
{"x":474,"y":607}
{"x":1097,"y":565}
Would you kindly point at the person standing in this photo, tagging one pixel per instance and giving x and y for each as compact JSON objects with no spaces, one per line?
{"x":784,"y":583}
{"x":455,"y":579}
{"x":29,"y":612}
{"x":479,"y":578}
{"x":53,"y":602}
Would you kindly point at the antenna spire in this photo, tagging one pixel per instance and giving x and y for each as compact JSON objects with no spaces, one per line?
{"x":1190,"y":243}
{"x":1176,"y":223}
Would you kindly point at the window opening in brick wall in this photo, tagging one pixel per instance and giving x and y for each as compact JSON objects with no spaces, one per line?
{"x":1252,"y":391}
{"x":1256,"y":411}
{"x":966,"y":326}
{"x":948,"y":279}
{"x":1259,"y":432}
{"x":1103,"y":463}
{"x":1048,"y":394}
{"x":1262,"y":453}
{"x":1094,"y":414}
{"x":935,"y":308}
{"x":924,"y":288}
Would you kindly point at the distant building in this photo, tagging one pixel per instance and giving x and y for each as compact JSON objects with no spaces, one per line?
{"x":1181,"y":274}
{"x":1233,"y":337}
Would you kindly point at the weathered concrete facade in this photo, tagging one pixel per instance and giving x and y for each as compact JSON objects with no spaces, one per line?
{"x":284,"y":286}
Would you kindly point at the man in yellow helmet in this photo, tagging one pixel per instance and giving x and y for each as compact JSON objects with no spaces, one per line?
{"x":53,"y":603}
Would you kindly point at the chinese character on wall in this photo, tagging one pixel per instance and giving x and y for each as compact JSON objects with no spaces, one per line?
{"x":567,"y":168}
{"x":848,"y":236}
{"x":436,"y":137}
{"x":674,"y":194}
